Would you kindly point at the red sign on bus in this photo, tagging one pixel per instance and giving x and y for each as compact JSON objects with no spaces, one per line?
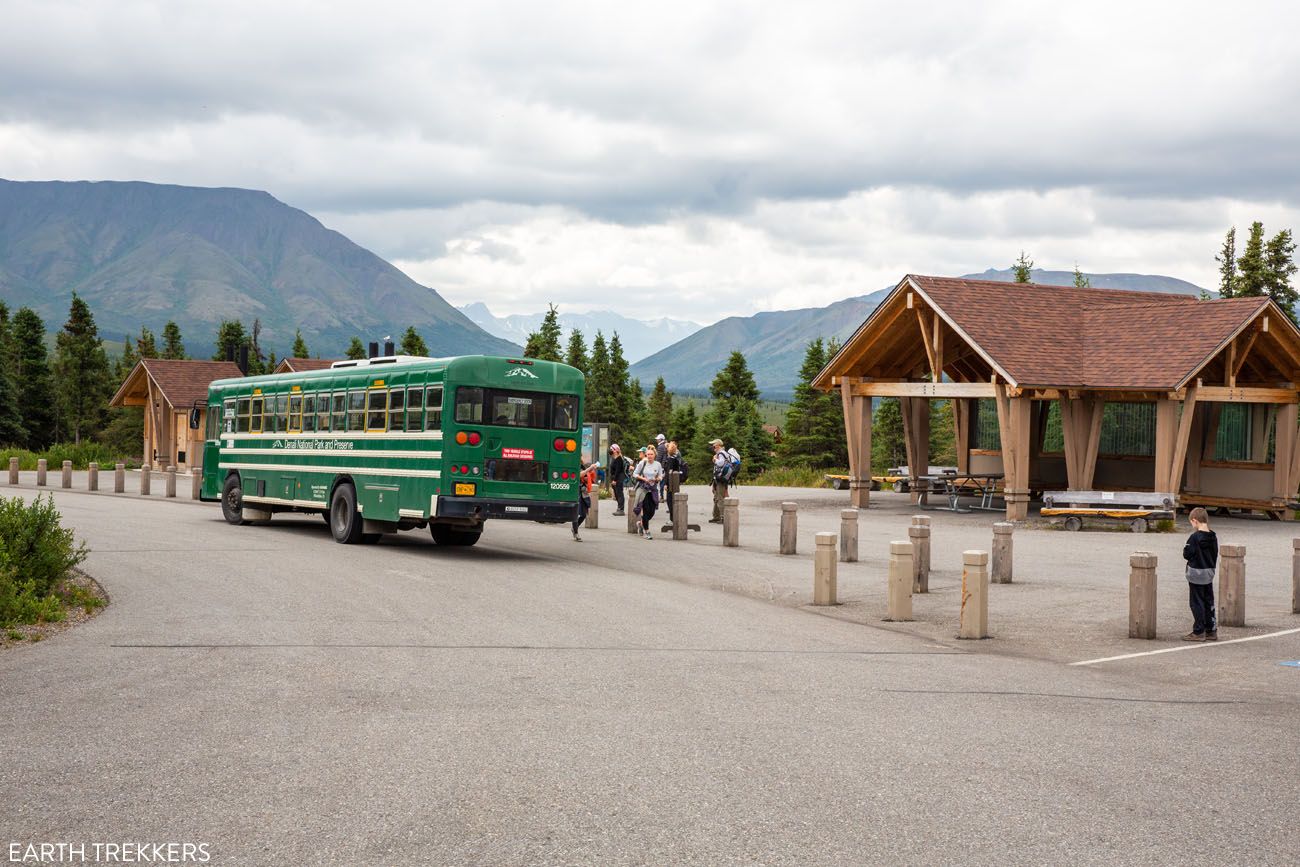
{"x":517,"y":454}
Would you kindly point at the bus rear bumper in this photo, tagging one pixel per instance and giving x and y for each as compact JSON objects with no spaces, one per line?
{"x":481,"y":508}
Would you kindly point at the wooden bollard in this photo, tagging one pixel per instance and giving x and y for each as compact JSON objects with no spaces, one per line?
{"x":119,"y":478}
{"x":592,"y":521}
{"x":196,"y":483}
{"x":899,"y":590}
{"x":974,"y":595}
{"x":633,"y":520}
{"x":731,"y":522}
{"x":825,"y":591}
{"x":789,"y":528}
{"x":1232,"y":585}
{"x":66,"y":480}
{"x":1295,"y":572}
{"x":1002,"y":558}
{"x":1142,"y":595}
{"x":849,"y":535}
{"x":13,"y":471}
{"x":919,"y":535}
{"x":145,"y":480}
{"x":41,"y":467}
{"x":171,"y":482}
{"x":681,"y":512}
{"x":92,"y":477}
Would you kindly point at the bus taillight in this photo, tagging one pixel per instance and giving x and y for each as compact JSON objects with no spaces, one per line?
{"x":474,"y":438}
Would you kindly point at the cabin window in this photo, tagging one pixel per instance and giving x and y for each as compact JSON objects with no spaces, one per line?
{"x":356,"y":410}
{"x":433,"y":408}
{"x":414,"y":408}
{"x":396,"y":409}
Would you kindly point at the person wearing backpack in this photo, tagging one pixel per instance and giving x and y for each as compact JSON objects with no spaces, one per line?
{"x":586,"y":482}
{"x":673,"y":462}
{"x":721,"y":478}
{"x":617,"y":474}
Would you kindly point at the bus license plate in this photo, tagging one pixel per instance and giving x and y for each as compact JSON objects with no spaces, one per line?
{"x":464,"y":489}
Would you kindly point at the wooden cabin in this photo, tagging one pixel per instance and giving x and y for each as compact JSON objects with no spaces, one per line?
{"x":167,"y":389}
{"x":301,"y":365}
{"x":1066,"y":388}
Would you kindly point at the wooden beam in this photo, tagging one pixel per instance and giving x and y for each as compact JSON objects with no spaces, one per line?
{"x":961,"y":420}
{"x":1166,"y":431}
{"x":924,"y":321}
{"x":1196,"y":448}
{"x":937,"y":341}
{"x":1183,"y":437}
{"x":857,"y":432}
{"x":924,"y":389}
{"x":1230,"y":366}
{"x":1284,"y":448}
{"x":1226,"y":394}
{"x":1096,"y":410}
{"x":1242,"y":352}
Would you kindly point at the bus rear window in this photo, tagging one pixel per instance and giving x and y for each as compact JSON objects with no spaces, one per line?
{"x":528,"y":409}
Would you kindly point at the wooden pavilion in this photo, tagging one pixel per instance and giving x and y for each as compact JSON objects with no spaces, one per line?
{"x":168,"y":389}
{"x":1090,"y":388}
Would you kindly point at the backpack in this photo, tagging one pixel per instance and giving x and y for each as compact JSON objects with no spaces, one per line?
{"x":681,"y":468}
{"x":734,"y":469}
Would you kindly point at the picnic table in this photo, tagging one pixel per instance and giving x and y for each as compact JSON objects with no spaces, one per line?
{"x":956,"y":485}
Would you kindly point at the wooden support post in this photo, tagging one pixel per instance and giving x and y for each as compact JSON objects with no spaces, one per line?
{"x":1284,"y":443}
{"x":92,"y":477}
{"x":1182,"y":439}
{"x":1096,"y":407}
{"x":592,"y":521}
{"x":1142,"y":595}
{"x":681,"y":514}
{"x":731,"y":522}
{"x":1232,"y":585}
{"x":171,"y":482}
{"x":974,"y":595}
{"x":789,"y":528}
{"x":13,"y":471}
{"x":1166,"y":433}
{"x":1196,"y":448}
{"x":900,"y":581}
{"x":919,"y":535}
{"x":1258,"y":432}
{"x":41,"y":468}
{"x":66,"y":480}
{"x":825,"y":591}
{"x":119,"y":478}
{"x":196,"y":483}
{"x":1013,"y":428}
{"x":633,"y":522}
{"x":849,"y":535}
{"x":1295,"y":576}
{"x":961,"y":421}
{"x":1002,"y":552}
{"x":857,"y":432}
{"x":146,"y":480}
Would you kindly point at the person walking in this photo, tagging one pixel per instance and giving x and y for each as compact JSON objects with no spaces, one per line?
{"x":1202,"y":555}
{"x":673,"y":463}
{"x":661,"y":455}
{"x":617,"y":475}
{"x":586,"y":481}
{"x":648,"y":474}
{"x":721,"y":478}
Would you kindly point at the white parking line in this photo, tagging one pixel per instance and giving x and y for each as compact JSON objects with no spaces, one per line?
{"x":1188,"y":646}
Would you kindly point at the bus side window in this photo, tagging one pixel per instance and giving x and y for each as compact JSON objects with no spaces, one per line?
{"x":396,"y":404}
{"x":323,"y":411}
{"x":414,"y":406}
{"x":356,"y":410}
{"x":295,"y":413}
{"x":226,"y":423}
{"x":433,"y":411}
{"x":376,"y":409}
{"x":281,"y":413}
{"x":338,"y":411}
{"x":255,"y":419}
{"x":241,"y":415}
{"x":309,"y":413}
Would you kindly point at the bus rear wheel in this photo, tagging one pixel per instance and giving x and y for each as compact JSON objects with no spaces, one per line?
{"x":345,"y":522}
{"x":232,"y":501}
{"x":444,"y":535}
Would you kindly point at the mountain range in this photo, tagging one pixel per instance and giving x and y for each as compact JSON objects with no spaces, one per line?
{"x":640,"y":337}
{"x":141,"y":254}
{"x":774,"y":342}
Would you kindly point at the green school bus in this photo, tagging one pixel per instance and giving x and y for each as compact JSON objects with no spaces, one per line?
{"x":398,"y":443}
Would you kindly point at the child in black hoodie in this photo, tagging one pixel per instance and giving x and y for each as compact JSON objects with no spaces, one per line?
{"x":1202,"y":555}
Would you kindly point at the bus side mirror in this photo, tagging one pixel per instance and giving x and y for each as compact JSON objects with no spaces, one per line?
{"x":194,"y":418}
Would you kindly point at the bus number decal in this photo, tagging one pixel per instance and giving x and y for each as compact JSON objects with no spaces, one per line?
{"x":559,"y":486}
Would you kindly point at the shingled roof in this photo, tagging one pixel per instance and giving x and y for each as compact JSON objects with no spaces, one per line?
{"x":1070,"y":337}
{"x":181,"y":381}
{"x":301,"y":365}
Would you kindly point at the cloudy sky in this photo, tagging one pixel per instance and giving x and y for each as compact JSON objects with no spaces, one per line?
{"x":698,"y":160}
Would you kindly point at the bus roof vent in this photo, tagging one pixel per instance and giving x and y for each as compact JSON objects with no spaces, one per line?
{"x":390,"y":359}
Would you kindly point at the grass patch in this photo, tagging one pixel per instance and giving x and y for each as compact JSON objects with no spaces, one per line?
{"x":80,"y":455}
{"x":792,"y":477}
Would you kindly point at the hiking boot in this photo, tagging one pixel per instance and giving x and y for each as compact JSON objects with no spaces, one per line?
{"x":1212,"y":635}
{"x":1193,"y":636}
{"x":715,"y":520}
{"x":648,"y":536}
{"x":619,"y":514}
{"x":576,"y":537}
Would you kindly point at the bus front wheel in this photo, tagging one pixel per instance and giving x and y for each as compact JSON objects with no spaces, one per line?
{"x":232,"y":501}
{"x":444,"y":535}
{"x":345,"y":523}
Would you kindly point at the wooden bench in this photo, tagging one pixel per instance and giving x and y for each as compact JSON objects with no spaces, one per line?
{"x":1136,"y":508}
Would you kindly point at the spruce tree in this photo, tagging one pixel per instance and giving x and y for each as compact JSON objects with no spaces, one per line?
{"x":814,"y":423}
{"x":125,"y":362}
{"x":734,"y":417}
{"x":36,"y":399}
{"x":888,"y":446}
{"x":624,"y":400}
{"x":1080,"y":279}
{"x":300,"y":349}
{"x":597,"y":407}
{"x":145,"y":345}
{"x":659,"y":409}
{"x":734,"y":381}
{"x":173,"y":345}
{"x":356,"y":350}
{"x":1252,"y":269}
{"x":1023,"y":268}
{"x":684,"y":426}
{"x":413,"y":343}
{"x":124,"y":431}
{"x":1227,"y":260}
{"x":81,"y":368}
{"x":1280,"y":265}
{"x":256,"y":357}
{"x":575,"y":355}
{"x":230,"y":337}
{"x":544,"y":343}
{"x":12,"y":432}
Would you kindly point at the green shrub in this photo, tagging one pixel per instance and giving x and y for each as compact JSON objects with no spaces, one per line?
{"x":80,"y":455}
{"x":36,"y":552}
{"x":791,"y":477}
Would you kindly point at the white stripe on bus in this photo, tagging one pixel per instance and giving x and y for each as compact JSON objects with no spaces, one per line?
{"x":356,"y":471}
{"x":366,"y":453}
{"x":334,"y":435}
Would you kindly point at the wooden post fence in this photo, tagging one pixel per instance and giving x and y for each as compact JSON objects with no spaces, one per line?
{"x":92,"y":477}
{"x":41,"y":466}
{"x":1142,"y":595}
{"x":145,"y":480}
{"x":13,"y":471}
{"x":66,"y":479}
{"x":633,"y":520}
{"x":731,"y":522}
{"x":789,"y":528}
{"x":119,"y":478}
{"x":1232,"y":585}
{"x":825,"y":591}
{"x":919,"y":535}
{"x":849,"y":535}
{"x":974,"y":595}
{"x":1002,"y":553}
{"x":171,"y":482}
{"x":681,"y":512}
{"x":899,"y":591}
